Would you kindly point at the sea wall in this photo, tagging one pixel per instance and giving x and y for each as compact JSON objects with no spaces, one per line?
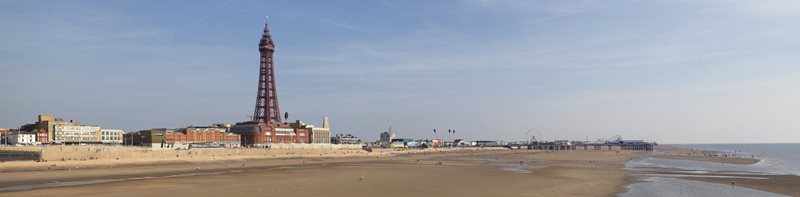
{"x":82,"y":153}
{"x":86,"y":153}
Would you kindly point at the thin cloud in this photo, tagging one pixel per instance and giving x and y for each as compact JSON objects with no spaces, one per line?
{"x":209,"y":13}
{"x":343,"y":25}
{"x":575,"y":11}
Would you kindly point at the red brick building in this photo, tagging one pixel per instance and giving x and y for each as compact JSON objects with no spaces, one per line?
{"x":42,"y":137}
{"x":3,"y":133}
{"x":261,"y":135}
{"x":201,"y":135}
{"x":185,"y":137}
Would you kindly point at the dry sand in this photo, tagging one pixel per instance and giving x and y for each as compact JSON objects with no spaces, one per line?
{"x":463,"y":173}
{"x":89,"y":157}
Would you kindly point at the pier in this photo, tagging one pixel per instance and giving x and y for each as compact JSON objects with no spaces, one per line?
{"x":633,"y":147}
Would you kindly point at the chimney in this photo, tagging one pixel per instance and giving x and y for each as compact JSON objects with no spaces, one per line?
{"x":325,"y":123}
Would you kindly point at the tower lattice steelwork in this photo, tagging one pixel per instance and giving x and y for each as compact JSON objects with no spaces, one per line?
{"x":267,"y":110}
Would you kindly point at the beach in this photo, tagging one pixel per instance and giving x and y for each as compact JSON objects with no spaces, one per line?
{"x":461,"y":173}
{"x":388,"y":172}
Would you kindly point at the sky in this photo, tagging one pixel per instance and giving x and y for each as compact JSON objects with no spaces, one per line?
{"x":677,"y":71}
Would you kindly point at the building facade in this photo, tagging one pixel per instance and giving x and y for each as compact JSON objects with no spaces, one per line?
{"x":203,"y":135}
{"x":345,"y":139}
{"x":3,"y":133}
{"x":206,"y":137}
{"x":21,"y":138}
{"x":400,"y":142}
{"x":316,"y":135}
{"x":76,"y":134}
{"x":263,"y":135}
{"x":319,"y":135}
{"x":111,"y":136}
{"x":386,"y":138}
{"x":132,"y":139}
{"x":46,"y":127}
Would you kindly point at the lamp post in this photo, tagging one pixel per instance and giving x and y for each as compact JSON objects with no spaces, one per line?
{"x":450,"y":135}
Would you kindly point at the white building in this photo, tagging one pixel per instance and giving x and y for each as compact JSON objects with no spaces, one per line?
{"x":319,"y":135}
{"x":76,"y":134}
{"x":111,"y":136}
{"x":21,"y":138}
{"x":316,"y":135}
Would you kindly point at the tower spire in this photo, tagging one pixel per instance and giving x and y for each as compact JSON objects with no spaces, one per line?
{"x":267,"y":110}
{"x":266,"y":30}
{"x":266,"y":38}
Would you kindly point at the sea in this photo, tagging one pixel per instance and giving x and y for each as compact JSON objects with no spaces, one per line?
{"x":775,"y":159}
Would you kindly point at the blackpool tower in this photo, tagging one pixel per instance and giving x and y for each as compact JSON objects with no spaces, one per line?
{"x":267,"y":111}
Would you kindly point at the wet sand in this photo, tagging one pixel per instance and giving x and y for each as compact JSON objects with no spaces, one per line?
{"x":680,"y":153}
{"x":723,"y":160}
{"x":465,"y":173}
{"x":779,"y":184}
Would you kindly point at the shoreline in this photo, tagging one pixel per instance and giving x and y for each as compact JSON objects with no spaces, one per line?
{"x":784,"y":184}
{"x":681,"y":153}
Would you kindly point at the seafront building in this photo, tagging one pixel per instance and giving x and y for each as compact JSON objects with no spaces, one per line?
{"x":76,"y":134}
{"x":437,"y":143}
{"x":184,"y":138}
{"x":263,"y":135}
{"x":316,"y":135}
{"x":400,"y":142}
{"x":387,"y":137}
{"x":319,"y":135}
{"x":20,"y":138}
{"x":50,"y":130}
{"x":111,"y":136}
{"x":3,"y":133}
{"x":46,"y":127}
{"x":345,"y":139}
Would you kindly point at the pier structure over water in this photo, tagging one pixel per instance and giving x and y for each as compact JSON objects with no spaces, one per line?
{"x":613,"y":143}
{"x":553,"y":146}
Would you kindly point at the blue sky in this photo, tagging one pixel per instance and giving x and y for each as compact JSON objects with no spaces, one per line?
{"x":670,"y":71}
